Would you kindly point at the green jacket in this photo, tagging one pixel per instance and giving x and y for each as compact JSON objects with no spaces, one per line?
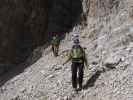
{"x":55,"y":40}
{"x":84,"y":60}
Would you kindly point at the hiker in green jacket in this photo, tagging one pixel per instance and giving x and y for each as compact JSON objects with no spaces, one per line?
{"x":78,"y":57}
{"x":55,"y":44}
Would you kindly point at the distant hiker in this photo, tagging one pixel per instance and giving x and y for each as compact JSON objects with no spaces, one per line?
{"x":55,"y":44}
{"x":78,"y":57}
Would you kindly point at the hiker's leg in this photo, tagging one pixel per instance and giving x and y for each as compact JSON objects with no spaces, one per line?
{"x":56,"y":50}
{"x":53,"y":48}
{"x":80,"y":74}
{"x":74,"y":75}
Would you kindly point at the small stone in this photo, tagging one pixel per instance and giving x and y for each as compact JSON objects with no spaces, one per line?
{"x":122,"y":59}
{"x":16,"y":98}
{"x":94,"y":63}
{"x":51,"y":76}
{"x":66,"y":98}
{"x":112,"y":61}
{"x":22,"y":90}
{"x":43,"y":72}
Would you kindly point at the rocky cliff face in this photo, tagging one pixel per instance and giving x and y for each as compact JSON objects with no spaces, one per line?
{"x":22,"y":27}
{"x":105,"y":11}
{"x":63,"y":15}
{"x":110,"y":25}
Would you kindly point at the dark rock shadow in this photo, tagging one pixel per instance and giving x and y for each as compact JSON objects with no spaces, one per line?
{"x":20,"y":68}
{"x":92,"y":80}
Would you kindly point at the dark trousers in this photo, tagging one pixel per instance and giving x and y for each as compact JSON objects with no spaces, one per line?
{"x":77,"y":78}
{"x":55,"y":49}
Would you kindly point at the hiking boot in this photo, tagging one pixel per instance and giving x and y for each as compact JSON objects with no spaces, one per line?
{"x":75,"y":90}
{"x":80,"y":88}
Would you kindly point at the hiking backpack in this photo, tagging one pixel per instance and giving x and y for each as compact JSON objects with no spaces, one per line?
{"x":77,"y":52}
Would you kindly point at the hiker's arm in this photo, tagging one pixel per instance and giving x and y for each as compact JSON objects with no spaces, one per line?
{"x":85,"y":59}
{"x":68,"y":59}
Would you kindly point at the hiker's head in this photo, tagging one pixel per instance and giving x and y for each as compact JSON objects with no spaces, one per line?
{"x":54,"y":34}
{"x":76,"y":41}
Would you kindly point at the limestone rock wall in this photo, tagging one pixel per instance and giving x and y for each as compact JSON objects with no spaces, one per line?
{"x":23,"y":26}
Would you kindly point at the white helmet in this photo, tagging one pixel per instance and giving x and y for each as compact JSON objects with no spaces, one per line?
{"x":75,"y":36}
